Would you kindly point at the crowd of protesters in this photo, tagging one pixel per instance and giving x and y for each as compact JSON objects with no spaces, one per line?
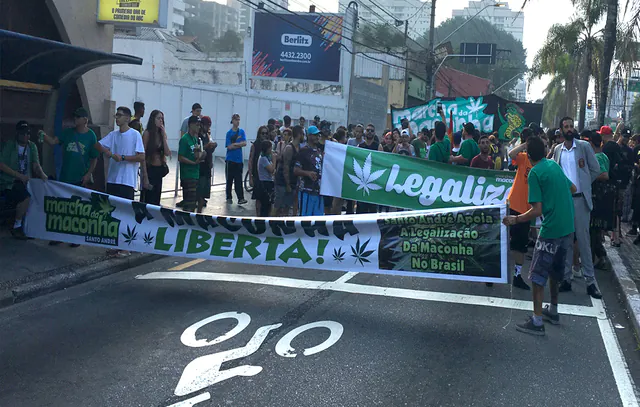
{"x":285,"y":170}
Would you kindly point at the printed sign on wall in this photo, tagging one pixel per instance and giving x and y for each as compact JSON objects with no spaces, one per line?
{"x":304,"y":46}
{"x":133,"y":12}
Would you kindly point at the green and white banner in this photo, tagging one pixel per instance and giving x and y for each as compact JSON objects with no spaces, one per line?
{"x":459,"y":244}
{"x":406,"y":182}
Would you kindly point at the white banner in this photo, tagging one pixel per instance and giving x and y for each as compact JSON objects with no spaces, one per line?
{"x":467,"y":243}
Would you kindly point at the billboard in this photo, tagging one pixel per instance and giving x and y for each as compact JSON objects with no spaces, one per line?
{"x":302,"y":46}
{"x":151,"y":13}
{"x":488,"y":113}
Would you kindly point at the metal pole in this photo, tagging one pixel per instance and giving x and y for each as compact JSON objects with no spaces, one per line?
{"x":353,"y":57}
{"x":406,"y":64}
{"x":430,"y":86}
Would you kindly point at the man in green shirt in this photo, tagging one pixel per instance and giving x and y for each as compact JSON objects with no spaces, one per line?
{"x":421,"y":142}
{"x":190,"y":156}
{"x":79,"y":157}
{"x":18,"y":163}
{"x":440,"y":150}
{"x":550,"y":196}
{"x":469,"y":148}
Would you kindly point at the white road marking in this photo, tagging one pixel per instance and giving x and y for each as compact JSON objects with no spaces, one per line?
{"x":346,"y":277}
{"x":466,"y":299}
{"x":284,"y":349}
{"x":193,"y":400}
{"x":621,"y":374}
{"x":186,"y":265}
{"x":188,"y":337}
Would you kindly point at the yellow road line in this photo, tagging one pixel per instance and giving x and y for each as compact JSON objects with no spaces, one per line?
{"x":186,"y":265}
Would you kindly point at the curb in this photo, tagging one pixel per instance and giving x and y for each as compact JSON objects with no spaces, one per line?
{"x":71,"y":278}
{"x":628,"y":287}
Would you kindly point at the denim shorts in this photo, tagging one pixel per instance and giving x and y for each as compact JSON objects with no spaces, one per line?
{"x":549,"y":259}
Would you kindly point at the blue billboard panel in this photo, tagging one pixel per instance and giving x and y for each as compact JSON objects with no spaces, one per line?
{"x":302,"y":47}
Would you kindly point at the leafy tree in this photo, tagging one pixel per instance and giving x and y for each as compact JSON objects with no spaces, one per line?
{"x":511,"y":57}
{"x":380,"y":36}
{"x":203,"y":31}
{"x":635,"y":115}
{"x":229,"y":42}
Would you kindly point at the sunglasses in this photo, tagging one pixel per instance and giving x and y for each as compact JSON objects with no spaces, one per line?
{"x":370,"y":130}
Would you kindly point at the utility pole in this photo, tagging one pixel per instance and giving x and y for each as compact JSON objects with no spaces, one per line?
{"x":406,"y":64}
{"x":430,"y":53}
{"x":353,"y":56}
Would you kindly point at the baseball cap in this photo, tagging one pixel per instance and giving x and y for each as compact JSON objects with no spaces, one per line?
{"x":194,"y":119}
{"x":22,"y":126}
{"x":535,"y":128}
{"x":196,"y":106}
{"x":313,"y":130}
{"x":235,"y":116}
{"x":205,"y":120}
{"x":404,"y":132}
{"x":605,"y":131}
{"x":470,"y":127}
{"x":557,"y":133}
{"x":81,"y":112}
{"x":626,"y":133}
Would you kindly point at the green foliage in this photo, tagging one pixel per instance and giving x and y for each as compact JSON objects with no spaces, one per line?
{"x":380,"y":36}
{"x":508,"y":64}
{"x":230,"y":41}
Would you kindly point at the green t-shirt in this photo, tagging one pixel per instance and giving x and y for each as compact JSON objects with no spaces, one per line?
{"x":77,"y":153}
{"x":603,"y":160}
{"x":185,"y":148}
{"x":9,"y":156}
{"x":469,"y":149}
{"x":439,"y":152}
{"x":420,"y":148}
{"x":549,"y":185}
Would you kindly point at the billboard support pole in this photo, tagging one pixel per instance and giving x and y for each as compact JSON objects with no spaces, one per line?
{"x":406,"y":64}
{"x":353,"y":55}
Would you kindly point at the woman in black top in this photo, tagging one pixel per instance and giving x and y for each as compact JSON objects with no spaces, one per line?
{"x":156,"y":150}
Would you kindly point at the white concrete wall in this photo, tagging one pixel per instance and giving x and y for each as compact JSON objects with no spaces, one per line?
{"x":255,"y":108}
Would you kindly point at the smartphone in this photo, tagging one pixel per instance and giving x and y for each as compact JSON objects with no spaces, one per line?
{"x":439,"y":107}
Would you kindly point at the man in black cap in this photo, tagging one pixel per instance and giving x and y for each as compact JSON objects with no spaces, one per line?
{"x":196,"y":111}
{"x":18,"y":163}
{"x":79,"y":158}
{"x":469,"y":147}
{"x":190,"y":156}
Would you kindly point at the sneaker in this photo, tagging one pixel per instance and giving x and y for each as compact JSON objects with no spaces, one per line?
{"x":123,"y":253}
{"x":602,"y":263}
{"x":54,"y":243}
{"x":576,"y":272}
{"x":593,"y":291}
{"x":549,"y":316}
{"x":179,"y":204}
{"x":564,"y":286}
{"x":74,"y":245}
{"x":242,"y":202}
{"x":529,"y":327}
{"x":18,"y":233}
{"x":518,"y":282}
{"x":229,"y":201}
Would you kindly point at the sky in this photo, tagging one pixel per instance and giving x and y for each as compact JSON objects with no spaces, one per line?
{"x":539,"y":16}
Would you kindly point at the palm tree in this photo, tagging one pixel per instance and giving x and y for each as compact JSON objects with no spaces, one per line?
{"x":610,"y":32}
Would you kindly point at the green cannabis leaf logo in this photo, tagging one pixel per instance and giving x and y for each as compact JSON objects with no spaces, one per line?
{"x":101,"y":204}
{"x":363,"y":177}
{"x":148,"y":239}
{"x":360,"y":253}
{"x":131,"y":235}
{"x":338,"y":255}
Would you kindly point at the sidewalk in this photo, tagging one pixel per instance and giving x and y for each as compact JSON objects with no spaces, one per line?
{"x":625,"y":262}
{"x":32,"y":268}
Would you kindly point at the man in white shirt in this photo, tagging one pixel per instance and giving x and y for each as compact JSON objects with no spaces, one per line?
{"x":125,"y":149}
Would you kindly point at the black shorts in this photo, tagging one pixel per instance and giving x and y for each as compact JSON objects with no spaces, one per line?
{"x":16,"y":194}
{"x":122,"y":191}
{"x":519,"y":235}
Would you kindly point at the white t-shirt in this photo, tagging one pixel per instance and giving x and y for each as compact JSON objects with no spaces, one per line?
{"x":128,"y":143}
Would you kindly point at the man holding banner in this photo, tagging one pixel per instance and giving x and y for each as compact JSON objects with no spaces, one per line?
{"x":550,"y":196}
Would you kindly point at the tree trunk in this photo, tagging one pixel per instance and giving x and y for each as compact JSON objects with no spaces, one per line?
{"x":609,"y":48}
{"x":584,"y":86}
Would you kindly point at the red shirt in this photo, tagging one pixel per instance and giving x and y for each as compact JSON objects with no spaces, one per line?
{"x":479,"y":162}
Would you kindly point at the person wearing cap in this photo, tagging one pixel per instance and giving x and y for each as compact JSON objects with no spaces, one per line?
{"x":579,"y":164}
{"x":235,"y":140}
{"x":614,"y":153}
{"x":440,"y":150}
{"x":18,"y":163}
{"x":209,"y":146}
{"x":308,"y":167}
{"x":469,"y":147}
{"x":404,"y":148}
{"x":196,"y":111}
{"x":421,"y":143}
{"x":79,"y":157}
{"x":190,"y":156}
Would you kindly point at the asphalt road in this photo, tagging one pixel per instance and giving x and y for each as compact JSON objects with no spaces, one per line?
{"x":289,"y":337}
